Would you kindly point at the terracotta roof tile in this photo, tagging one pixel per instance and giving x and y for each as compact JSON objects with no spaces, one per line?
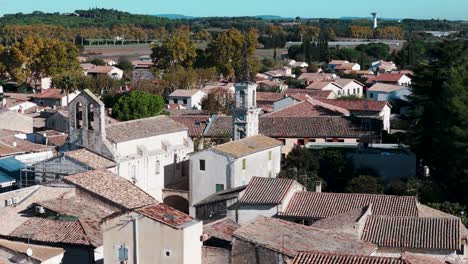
{"x":317,"y":127}
{"x":52,"y":231}
{"x":142,"y":128}
{"x":51,"y":93}
{"x":221,"y":229}
{"x":90,"y":159}
{"x":196,"y":124}
{"x":266,"y":190}
{"x":247,"y":146}
{"x":166,"y":214}
{"x":311,"y":93}
{"x":322,"y":84}
{"x":289,"y":238}
{"x":100,"y":69}
{"x":356,"y":105}
{"x":345,"y":66}
{"x":321,"y":205}
{"x":269,"y":97}
{"x":386,"y":77}
{"x":112,"y":188}
{"x":413,"y":232}
{"x":307,"y":108}
{"x":345,"y":81}
{"x":336,"y":258}
{"x":316,"y":77}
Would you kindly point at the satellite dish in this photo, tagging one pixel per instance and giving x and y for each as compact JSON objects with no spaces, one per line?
{"x":29,"y":252}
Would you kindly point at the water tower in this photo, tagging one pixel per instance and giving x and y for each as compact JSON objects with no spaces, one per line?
{"x":374,"y":16}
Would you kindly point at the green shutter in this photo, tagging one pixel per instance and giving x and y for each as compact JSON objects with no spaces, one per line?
{"x":244,"y":164}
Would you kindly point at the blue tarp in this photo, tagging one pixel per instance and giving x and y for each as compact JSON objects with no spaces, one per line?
{"x":11,"y":165}
{"x":5,"y":178}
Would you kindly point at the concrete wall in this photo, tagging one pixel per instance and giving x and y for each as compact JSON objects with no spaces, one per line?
{"x":156,"y":242}
{"x":257,"y":164}
{"x":353,"y":89}
{"x":57,"y":122}
{"x":217,"y":171}
{"x":192,"y":102}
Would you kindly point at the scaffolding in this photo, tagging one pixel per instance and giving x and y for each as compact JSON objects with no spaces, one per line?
{"x":43,"y":171}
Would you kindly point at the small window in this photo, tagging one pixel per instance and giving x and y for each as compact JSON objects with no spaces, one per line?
{"x":219,"y":187}
{"x":269,"y":155}
{"x":123,"y":253}
{"x":158,"y":166}
{"x":358,"y":90}
{"x":312,"y":140}
{"x":329,"y":140}
{"x":244,"y":164}
{"x":167,"y":253}
{"x":339,"y":92}
{"x":202,"y":165}
{"x":354,"y":91}
{"x":371,"y":95}
{"x":176,"y":101}
{"x":185,"y":101}
{"x":300,"y":142}
{"x":341,"y":140}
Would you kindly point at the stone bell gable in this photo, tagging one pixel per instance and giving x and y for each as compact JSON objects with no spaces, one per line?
{"x":87,"y":124}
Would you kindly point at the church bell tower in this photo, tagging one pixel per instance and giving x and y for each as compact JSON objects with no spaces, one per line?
{"x":245,"y":113}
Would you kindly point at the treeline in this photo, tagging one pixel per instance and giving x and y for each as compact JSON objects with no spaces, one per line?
{"x":107,"y":24}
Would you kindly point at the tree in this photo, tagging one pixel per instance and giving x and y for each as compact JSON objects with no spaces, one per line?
{"x":175,"y":50}
{"x":302,"y":165}
{"x":98,"y":62}
{"x":364,"y":184}
{"x":67,"y":82}
{"x":230,"y":49}
{"x":125,"y":65}
{"x":334,"y":169}
{"x":360,"y":32}
{"x":136,"y":105}
{"x":439,"y":117}
{"x":33,"y":58}
{"x":218,"y":101}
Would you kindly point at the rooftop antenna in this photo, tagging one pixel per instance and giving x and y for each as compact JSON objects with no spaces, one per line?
{"x":374,"y":16}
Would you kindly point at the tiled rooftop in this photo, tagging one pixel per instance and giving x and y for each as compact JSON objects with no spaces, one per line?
{"x":317,"y":127}
{"x":247,"y":146}
{"x":320,"y":205}
{"x":167,"y":215}
{"x":336,"y":258}
{"x":302,"y":109}
{"x":356,"y":105}
{"x":266,"y":190}
{"x":386,"y":77}
{"x":90,"y":159}
{"x":290,"y":238}
{"x":142,"y":128}
{"x":221,"y":196}
{"x":112,"y":188}
{"x":53,"y":231}
{"x":40,"y":253}
{"x":221,"y":229}
{"x":413,"y":232}
{"x":51,"y":93}
{"x":196,"y":124}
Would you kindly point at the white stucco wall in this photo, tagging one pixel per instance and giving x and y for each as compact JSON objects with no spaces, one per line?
{"x":139,"y":159}
{"x":354,"y":89}
{"x":221,"y":169}
{"x":404,"y":81}
{"x":192,"y":102}
{"x":154,"y":239}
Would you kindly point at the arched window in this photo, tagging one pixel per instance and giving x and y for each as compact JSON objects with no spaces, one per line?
{"x":79,"y":116}
{"x":90,"y":117}
{"x":242,"y":99}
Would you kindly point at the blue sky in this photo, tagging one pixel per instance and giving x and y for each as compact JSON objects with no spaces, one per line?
{"x":444,"y":9}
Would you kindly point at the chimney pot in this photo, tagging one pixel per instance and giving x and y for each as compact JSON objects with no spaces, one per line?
{"x":318,"y":186}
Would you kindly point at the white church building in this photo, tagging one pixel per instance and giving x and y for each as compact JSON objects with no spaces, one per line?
{"x":143,"y":149}
{"x":233,"y":164}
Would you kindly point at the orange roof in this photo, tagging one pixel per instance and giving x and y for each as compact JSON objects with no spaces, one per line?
{"x":51,"y":93}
